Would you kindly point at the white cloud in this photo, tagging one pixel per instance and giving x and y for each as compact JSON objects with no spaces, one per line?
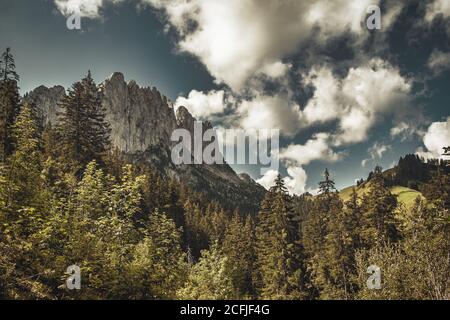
{"x":323,"y":106}
{"x":203,"y":105}
{"x":376,"y":152}
{"x":436,"y":8}
{"x":436,"y":138}
{"x":296,"y":157}
{"x":86,"y":8}
{"x":406,"y":130}
{"x":358,"y":100}
{"x":268,"y":179}
{"x":317,"y":148}
{"x":295,"y":181}
{"x":275,"y":70}
{"x":270,"y":112}
{"x":439,"y":61}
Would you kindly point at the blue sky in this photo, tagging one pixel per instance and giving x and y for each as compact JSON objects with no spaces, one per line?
{"x":340,"y":94}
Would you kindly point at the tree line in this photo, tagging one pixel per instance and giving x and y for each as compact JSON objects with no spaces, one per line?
{"x":68,"y":198}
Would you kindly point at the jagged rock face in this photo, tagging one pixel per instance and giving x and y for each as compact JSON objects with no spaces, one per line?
{"x":142,"y":121}
{"x":139,"y":117}
{"x":47,"y":100}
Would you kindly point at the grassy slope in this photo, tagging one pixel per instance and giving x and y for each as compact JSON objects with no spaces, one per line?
{"x":405,"y":195}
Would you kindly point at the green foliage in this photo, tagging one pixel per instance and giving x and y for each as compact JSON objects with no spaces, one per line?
{"x":238,"y":246}
{"x":378,"y":218}
{"x":210,"y":278}
{"x":9,"y":109}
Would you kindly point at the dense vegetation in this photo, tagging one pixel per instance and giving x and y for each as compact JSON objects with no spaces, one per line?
{"x":67,"y":198}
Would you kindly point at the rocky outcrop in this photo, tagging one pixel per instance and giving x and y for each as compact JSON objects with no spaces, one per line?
{"x":140,"y":118}
{"x":142,"y":121}
{"x":47,"y":100}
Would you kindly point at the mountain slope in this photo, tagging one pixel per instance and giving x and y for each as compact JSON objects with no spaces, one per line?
{"x":404,"y":195}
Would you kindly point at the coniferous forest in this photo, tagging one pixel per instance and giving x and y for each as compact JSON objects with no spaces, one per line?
{"x":67,"y":197}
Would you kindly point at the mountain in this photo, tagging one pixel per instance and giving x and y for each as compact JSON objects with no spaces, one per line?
{"x":142,"y":121}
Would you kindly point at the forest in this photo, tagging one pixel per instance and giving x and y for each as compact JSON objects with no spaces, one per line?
{"x":68,"y":198}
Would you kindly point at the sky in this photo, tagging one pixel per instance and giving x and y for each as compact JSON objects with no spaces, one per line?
{"x":343,"y":97}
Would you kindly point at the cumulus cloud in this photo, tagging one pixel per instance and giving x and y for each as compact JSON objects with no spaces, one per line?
{"x":439,"y":61}
{"x":406,"y":130}
{"x":358,"y":100}
{"x":295,"y":181}
{"x":270,"y":112}
{"x":436,"y":8}
{"x":86,"y":8}
{"x":435,"y":139}
{"x":376,"y":152}
{"x":295,"y":157}
{"x":316,"y":148}
{"x":203,"y":105}
{"x":268,"y":179}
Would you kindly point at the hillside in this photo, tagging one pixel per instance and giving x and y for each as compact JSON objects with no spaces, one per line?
{"x":404,"y":195}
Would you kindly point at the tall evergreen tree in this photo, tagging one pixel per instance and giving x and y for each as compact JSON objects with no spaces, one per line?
{"x":327,"y":186}
{"x":238,"y":246}
{"x":341,"y":244}
{"x":83,"y":130}
{"x":9,"y":102}
{"x":280,"y":270}
{"x":8,"y":67}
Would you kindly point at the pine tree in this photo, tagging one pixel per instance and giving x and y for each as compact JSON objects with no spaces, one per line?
{"x":158,"y":267}
{"x":8,"y":67}
{"x":238,"y":246}
{"x":24,"y":203}
{"x":25,"y":165}
{"x":438,"y":189}
{"x":327,"y":186}
{"x":341,"y":244}
{"x":82,"y":128}
{"x":9,"y":102}
{"x":280,"y":271}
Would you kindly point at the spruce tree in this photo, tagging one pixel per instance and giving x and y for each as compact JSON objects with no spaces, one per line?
{"x":9,"y":102}
{"x":315,"y":229}
{"x":8,"y":67}
{"x":341,"y":244}
{"x":238,"y":246}
{"x":280,"y":270}
{"x":82,"y":128}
